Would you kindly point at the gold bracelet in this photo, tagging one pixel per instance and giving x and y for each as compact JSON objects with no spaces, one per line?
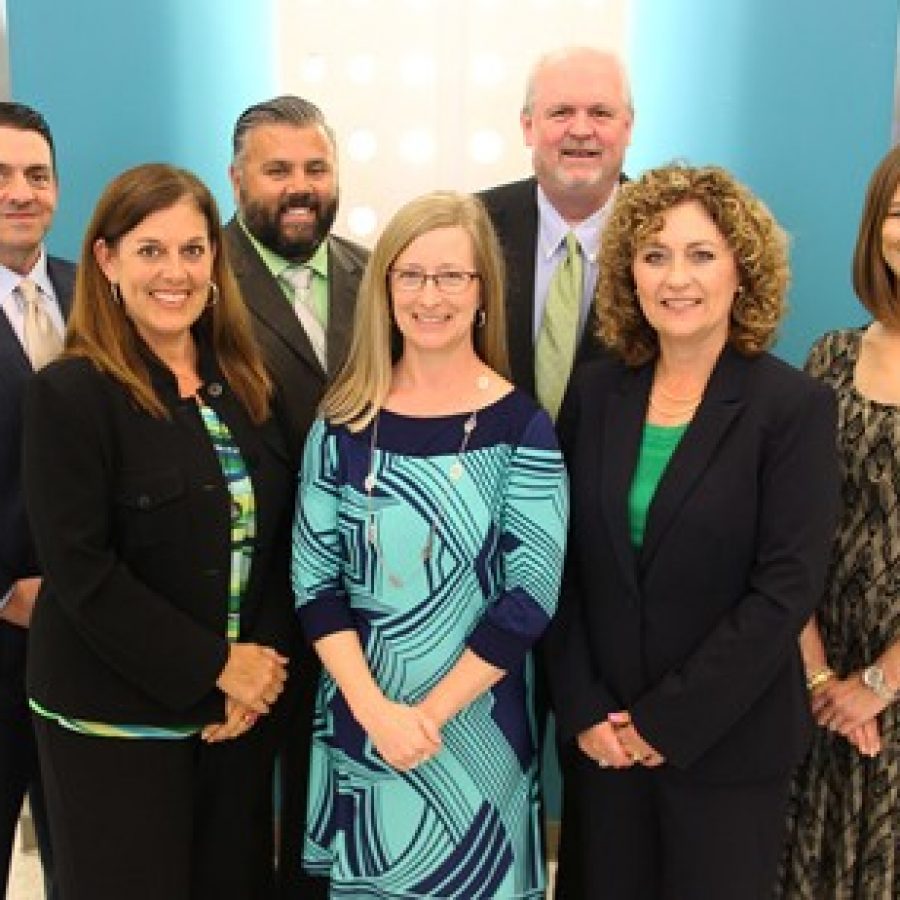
{"x":818,"y":678}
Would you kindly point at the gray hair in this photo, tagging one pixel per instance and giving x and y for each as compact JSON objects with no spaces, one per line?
{"x":565,"y":53}
{"x":287,"y":109}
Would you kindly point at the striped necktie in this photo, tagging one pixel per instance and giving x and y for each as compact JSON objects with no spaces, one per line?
{"x":555,"y":349}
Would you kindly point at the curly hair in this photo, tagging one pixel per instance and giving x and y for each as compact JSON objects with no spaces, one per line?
{"x":757,"y":241}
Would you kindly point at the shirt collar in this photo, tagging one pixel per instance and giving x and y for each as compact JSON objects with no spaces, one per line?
{"x":553,"y":228}
{"x":10,"y":280}
{"x":276,"y":264}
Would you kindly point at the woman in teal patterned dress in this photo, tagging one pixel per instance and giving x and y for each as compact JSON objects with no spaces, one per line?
{"x":844,"y":820}
{"x":428,"y":548}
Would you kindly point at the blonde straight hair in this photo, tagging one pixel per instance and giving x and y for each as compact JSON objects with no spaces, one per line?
{"x":360,"y":388}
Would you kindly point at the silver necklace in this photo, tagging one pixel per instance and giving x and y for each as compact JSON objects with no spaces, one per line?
{"x":370,"y":482}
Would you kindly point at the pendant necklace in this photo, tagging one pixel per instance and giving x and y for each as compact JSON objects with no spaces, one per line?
{"x":454,"y":473}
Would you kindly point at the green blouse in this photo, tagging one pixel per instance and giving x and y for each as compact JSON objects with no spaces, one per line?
{"x":658,"y":443}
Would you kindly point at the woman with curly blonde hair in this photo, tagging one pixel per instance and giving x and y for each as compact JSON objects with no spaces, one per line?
{"x":704,"y":492}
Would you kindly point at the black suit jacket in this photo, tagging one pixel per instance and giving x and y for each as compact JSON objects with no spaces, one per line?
{"x":296,"y":371}
{"x":696,"y":632}
{"x":17,"y":556}
{"x":514,"y":213}
{"x":131,"y":516}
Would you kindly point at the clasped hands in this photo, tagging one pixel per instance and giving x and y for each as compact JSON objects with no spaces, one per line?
{"x":252,"y":680}
{"x":405,"y":736}
{"x":849,"y":708}
{"x":615,"y":743}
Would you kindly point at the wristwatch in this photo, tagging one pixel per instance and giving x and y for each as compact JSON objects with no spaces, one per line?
{"x":873,"y":678}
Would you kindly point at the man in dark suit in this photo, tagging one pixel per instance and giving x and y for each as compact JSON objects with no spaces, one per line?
{"x":28,"y":194}
{"x":299,"y":282}
{"x":577,"y":119}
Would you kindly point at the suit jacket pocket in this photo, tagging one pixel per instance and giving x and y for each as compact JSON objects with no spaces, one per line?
{"x":150,"y":507}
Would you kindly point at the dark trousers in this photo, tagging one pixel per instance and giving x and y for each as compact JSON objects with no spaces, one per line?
{"x":19,"y":771}
{"x":154,"y":819}
{"x":645,"y":835}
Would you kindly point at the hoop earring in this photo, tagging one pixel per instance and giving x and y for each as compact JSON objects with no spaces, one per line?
{"x":116,"y":293}
{"x":213,"y":298}
{"x":480,"y":317}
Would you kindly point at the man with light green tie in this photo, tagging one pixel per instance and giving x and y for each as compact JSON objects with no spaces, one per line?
{"x":576,"y":119}
{"x":299,"y":282}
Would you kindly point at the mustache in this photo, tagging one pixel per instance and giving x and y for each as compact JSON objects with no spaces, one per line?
{"x":301,"y":200}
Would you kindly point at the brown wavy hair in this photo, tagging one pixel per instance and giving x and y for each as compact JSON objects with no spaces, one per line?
{"x":99,"y":329}
{"x":759,"y":245}
{"x":873,"y":279}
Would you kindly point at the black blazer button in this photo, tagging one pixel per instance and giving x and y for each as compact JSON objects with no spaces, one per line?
{"x":143,"y":501}
{"x":215,"y":389}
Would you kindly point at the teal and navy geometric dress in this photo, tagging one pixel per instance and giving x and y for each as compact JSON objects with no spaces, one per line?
{"x":465,"y":823}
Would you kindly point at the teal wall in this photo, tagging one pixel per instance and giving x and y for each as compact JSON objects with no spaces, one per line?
{"x":125,"y":81}
{"x":795,"y":96}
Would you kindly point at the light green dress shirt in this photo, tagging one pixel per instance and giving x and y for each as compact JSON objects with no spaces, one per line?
{"x":318,"y":262}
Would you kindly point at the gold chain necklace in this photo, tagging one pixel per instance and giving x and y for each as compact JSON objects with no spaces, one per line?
{"x":678,"y":415}
{"x":683,"y":401}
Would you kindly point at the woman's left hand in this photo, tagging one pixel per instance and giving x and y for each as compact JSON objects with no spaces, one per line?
{"x":239,"y":719}
{"x":634,"y":745}
{"x":843,"y":704}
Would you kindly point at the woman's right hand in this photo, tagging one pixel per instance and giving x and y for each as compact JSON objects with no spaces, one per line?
{"x":239,"y":719}
{"x":601,"y":744}
{"x":254,"y":676}
{"x":404,"y":735}
{"x":866,"y":738}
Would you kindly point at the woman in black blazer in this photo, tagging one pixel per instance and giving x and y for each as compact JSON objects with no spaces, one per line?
{"x":704,"y":491}
{"x":159,"y":492}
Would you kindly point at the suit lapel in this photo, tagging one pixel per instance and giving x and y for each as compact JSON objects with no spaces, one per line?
{"x":519,"y":229}
{"x":62,"y":276}
{"x":343,"y":281}
{"x":721,"y":405}
{"x":11,"y":349}
{"x":266,"y":300}
{"x":623,"y":425}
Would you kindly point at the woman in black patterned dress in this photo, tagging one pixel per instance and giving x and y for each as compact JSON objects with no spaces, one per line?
{"x":844,"y":822}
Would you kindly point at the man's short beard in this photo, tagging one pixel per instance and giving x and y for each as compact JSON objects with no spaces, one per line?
{"x":266,"y":229}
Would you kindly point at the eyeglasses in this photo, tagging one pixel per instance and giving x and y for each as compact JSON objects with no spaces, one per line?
{"x":412,"y":281}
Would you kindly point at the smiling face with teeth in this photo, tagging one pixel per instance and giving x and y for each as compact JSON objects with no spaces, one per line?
{"x":431,"y":321}
{"x":285,"y":186}
{"x":686,"y":278}
{"x":163,"y":268}
{"x":577,"y":122}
